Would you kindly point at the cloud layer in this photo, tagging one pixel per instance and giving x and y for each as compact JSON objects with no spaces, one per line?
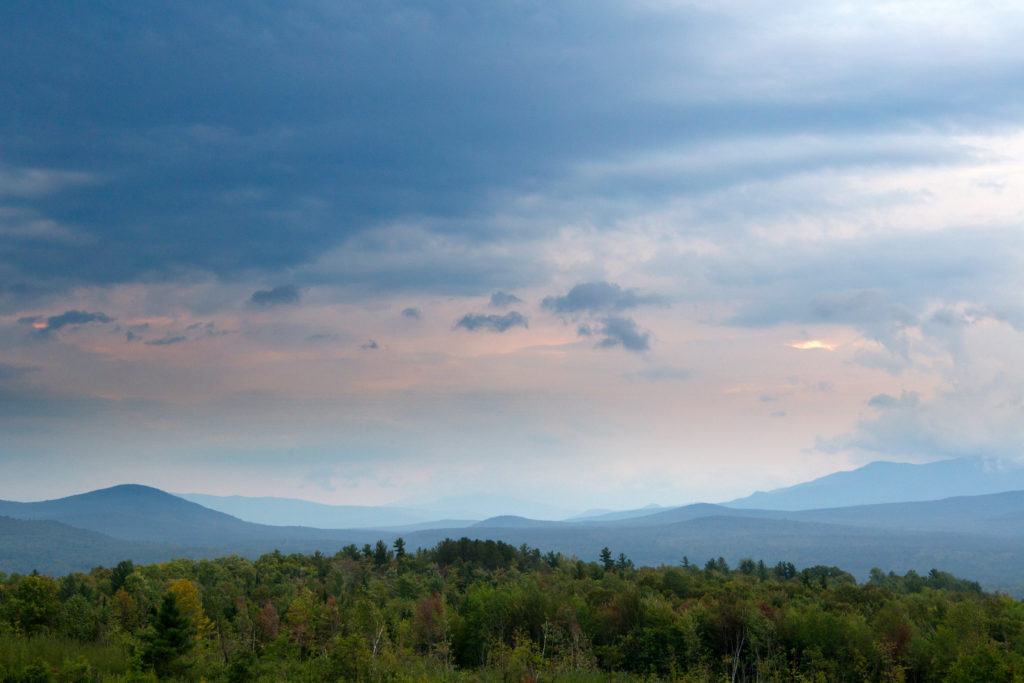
{"x":425,"y":243}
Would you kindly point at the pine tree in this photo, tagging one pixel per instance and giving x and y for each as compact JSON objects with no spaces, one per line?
{"x":170,"y":640}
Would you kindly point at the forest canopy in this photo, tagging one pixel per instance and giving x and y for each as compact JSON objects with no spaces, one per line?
{"x":485,"y":610}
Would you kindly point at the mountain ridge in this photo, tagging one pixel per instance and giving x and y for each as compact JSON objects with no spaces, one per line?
{"x":977,"y":536}
{"x":884,"y":481}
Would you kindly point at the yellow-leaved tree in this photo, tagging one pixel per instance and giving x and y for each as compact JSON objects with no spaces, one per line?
{"x":192,"y":606}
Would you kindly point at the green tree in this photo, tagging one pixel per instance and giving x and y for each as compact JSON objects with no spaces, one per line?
{"x":380,"y":554}
{"x":623,"y":563}
{"x":78,"y":619}
{"x":121,"y":572}
{"x":399,"y":547}
{"x":606,"y":559}
{"x":36,"y":604}
{"x":170,"y":639}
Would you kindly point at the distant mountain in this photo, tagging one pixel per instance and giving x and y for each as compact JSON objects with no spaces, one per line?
{"x":435,"y":524}
{"x":997,"y":563}
{"x":514,"y":521}
{"x":295,"y":512}
{"x":994,"y":514}
{"x":484,"y":505}
{"x":143,"y":514}
{"x":978,"y":537}
{"x":137,"y":513}
{"x":55,"y":548}
{"x":612,"y":515}
{"x":892,"y":482}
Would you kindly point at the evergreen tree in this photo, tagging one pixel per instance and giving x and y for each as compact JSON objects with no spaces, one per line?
{"x":380,"y":554}
{"x":623,"y":563}
{"x":606,"y":559}
{"x":121,"y":572}
{"x":170,"y":640}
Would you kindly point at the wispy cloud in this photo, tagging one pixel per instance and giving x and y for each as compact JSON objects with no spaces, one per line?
{"x":168,"y":340}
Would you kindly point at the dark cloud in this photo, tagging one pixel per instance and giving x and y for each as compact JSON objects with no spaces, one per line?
{"x":494,"y":323}
{"x":370,"y":345}
{"x":278,"y":296}
{"x":584,"y":331}
{"x":413,"y":313}
{"x":167,"y":340}
{"x":130,"y":336}
{"x":623,"y":332}
{"x":45,"y":326}
{"x":55,"y":322}
{"x":355,"y":119}
{"x":503,"y":299}
{"x":597,"y":297}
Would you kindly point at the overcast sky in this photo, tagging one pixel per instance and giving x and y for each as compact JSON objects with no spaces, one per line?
{"x":590,"y":254}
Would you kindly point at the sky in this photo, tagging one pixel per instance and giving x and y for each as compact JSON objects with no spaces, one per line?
{"x":583,"y":253}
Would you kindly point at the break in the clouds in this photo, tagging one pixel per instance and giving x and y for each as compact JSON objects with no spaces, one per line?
{"x":492,"y":323}
{"x":278,"y":296}
{"x":748,"y":200}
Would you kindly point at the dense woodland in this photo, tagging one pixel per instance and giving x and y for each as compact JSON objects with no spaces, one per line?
{"x":470,"y":610}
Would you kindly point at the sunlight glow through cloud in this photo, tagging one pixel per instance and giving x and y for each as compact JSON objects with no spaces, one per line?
{"x":812,"y":344}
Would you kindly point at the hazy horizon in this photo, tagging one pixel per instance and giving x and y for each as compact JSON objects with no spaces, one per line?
{"x":589,"y":254}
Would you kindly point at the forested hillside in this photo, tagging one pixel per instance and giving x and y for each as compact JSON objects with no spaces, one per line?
{"x":488,"y":611}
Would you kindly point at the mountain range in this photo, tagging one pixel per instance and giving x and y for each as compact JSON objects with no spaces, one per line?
{"x":893,"y":482}
{"x":980,"y":537}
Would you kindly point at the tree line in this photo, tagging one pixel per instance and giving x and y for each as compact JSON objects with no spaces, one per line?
{"x":484,"y":610}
